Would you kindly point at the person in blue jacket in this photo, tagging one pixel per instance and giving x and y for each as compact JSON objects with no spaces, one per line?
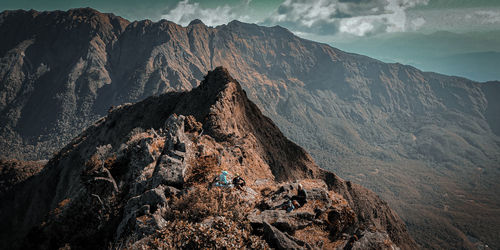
{"x":288,"y":206}
{"x":223,"y":182}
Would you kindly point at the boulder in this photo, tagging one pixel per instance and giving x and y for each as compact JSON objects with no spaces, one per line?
{"x":287,"y":222}
{"x":277,"y":239}
{"x":141,"y":212}
{"x":170,"y":171}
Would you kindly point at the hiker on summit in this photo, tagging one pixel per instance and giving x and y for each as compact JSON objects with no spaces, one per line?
{"x":222,"y":180}
{"x":301,"y":196}
{"x":238,"y":182}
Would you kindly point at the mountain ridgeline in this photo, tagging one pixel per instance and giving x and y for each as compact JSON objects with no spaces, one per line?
{"x":140,"y":177}
{"x":427,"y":143}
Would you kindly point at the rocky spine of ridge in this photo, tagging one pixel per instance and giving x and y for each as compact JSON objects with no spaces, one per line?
{"x":139,"y":177}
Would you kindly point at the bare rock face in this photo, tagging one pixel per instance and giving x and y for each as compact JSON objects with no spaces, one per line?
{"x":427,"y":143}
{"x":280,"y":240}
{"x":171,"y":167}
{"x":141,"y":177}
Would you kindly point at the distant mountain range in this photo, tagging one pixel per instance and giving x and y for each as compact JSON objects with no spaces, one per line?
{"x":473,"y":55}
{"x":427,"y":143}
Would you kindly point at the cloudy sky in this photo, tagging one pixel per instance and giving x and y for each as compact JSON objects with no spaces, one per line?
{"x":340,"y":18}
{"x":347,"y":24}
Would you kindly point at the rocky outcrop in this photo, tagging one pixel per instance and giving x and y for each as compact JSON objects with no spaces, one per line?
{"x":393,"y":128}
{"x":280,"y":240}
{"x":140,"y":177}
{"x":171,"y":167}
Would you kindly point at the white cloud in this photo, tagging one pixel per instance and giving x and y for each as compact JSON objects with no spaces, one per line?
{"x":356,"y":17}
{"x":488,"y":16}
{"x":185,"y":12}
{"x":417,"y":23}
{"x":356,"y":26}
{"x":304,"y":12}
{"x":342,"y":18}
{"x":456,"y":20}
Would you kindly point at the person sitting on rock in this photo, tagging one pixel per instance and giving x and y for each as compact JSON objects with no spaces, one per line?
{"x":223,"y":182}
{"x":238,"y":182}
{"x":288,"y":206}
{"x":301,"y":196}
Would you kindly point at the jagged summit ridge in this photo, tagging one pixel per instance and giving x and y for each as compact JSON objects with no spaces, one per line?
{"x":126,"y":182}
{"x":195,"y":22}
{"x":227,"y":113}
{"x":216,"y":81}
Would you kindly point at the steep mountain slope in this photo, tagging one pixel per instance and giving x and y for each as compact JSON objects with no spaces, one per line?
{"x":51,"y":67}
{"x":138,"y":176}
{"x":427,"y":143}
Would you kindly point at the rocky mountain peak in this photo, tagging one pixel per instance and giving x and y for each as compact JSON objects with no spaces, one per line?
{"x":223,"y":107}
{"x":104,"y":24}
{"x":146,"y":171}
{"x":218,"y":79}
{"x":196,"y":22}
{"x":85,"y":13}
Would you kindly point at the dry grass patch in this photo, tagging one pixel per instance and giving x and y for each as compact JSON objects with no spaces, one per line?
{"x":201,"y":202}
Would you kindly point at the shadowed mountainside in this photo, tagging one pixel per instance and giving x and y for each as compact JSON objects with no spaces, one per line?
{"x":427,"y":143}
{"x":140,"y":175}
